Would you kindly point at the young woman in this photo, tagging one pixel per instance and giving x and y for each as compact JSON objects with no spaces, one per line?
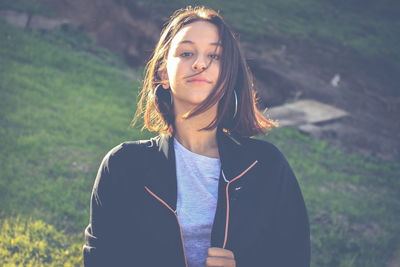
{"x":202,"y":193}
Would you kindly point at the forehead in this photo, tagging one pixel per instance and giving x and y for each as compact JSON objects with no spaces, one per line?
{"x":199,"y":32}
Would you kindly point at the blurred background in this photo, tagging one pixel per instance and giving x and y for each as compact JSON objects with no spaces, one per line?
{"x":327,"y":70}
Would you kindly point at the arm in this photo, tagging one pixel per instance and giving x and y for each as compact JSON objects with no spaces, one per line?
{"x":101,"y":248}
{"x":293,"y":233}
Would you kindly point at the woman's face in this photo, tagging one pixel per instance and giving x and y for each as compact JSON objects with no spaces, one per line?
{"x":192,"y":49}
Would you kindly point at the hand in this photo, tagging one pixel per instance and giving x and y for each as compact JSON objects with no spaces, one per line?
{"x":220,"y":257}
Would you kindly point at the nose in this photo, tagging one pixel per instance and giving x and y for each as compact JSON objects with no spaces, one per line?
{"x":199,"y":64}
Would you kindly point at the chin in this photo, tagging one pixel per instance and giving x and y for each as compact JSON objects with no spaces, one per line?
{"x":198,"y":100}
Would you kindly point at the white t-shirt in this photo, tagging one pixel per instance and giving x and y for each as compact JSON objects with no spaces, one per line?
{"x":197,"y":178}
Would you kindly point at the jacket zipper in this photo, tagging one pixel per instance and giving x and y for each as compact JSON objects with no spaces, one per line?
{"x":227,"y":200}
{"x":176,"y":216}
{"x":227,"y":209}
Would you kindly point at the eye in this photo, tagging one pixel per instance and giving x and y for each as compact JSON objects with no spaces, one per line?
{"x":214,"y":56}
{"x":186,"y":54}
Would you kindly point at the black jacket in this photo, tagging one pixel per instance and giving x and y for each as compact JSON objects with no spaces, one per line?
{"x":132,"y":218}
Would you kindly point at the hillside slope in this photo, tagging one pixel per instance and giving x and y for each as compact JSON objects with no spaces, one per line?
{"x":294,"y":47}
{"x":64,"y":102}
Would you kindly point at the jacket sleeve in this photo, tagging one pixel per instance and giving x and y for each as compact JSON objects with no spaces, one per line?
{"x":101,"y":247}
{"x":292,"y":243}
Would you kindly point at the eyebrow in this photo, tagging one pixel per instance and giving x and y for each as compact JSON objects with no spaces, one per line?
{"x":190,"y":42}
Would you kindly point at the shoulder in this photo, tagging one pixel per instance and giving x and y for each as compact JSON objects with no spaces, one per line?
{"x":129,"y":153}
{"x":270,"y":159}
{"x":263,"y":150}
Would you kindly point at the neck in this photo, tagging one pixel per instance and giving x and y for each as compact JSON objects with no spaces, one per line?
{"x":200,"y":142}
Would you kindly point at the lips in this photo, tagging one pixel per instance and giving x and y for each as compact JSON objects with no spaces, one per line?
{"x":199,"y":80}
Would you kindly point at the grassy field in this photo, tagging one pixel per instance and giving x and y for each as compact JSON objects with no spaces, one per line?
{"x":65,"y":102}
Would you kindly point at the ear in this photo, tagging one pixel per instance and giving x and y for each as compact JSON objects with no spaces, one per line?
{"x":164,"y":77}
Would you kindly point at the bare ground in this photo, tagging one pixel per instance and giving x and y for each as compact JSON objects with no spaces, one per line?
{"x":298,"y":72}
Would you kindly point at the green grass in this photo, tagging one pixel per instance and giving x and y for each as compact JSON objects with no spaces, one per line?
{"x":35,"y":243}
{"x":65,"y":102}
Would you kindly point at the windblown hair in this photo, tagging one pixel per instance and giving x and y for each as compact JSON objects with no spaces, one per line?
{"x":155,"y":105}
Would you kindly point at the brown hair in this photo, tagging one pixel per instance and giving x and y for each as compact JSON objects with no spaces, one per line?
{"x":155,"y":105}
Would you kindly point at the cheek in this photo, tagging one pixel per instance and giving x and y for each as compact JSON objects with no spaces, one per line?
{"x":215,"y":70}
{"x":173,"y":68}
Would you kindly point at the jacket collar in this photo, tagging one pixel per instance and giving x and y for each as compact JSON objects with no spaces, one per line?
{"x":161,"y":177}
{"x":234,"y":155}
